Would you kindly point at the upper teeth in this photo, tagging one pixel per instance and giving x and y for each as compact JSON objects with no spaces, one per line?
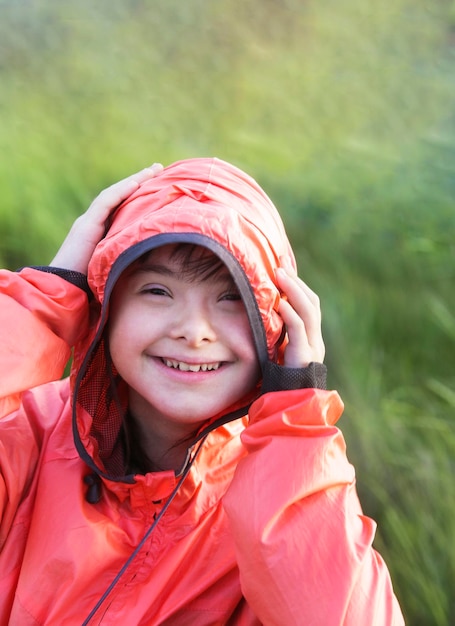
{"x":188,"y":367}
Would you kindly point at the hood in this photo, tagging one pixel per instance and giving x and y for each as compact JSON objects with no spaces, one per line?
{"x":204,"y":201}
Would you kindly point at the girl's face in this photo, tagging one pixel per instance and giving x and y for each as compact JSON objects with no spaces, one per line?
{"x":181,"y":340}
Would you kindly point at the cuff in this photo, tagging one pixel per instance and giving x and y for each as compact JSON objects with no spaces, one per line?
{"x":75,"y":278}
{"x":279,"y":378}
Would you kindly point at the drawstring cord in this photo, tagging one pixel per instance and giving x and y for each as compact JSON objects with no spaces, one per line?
{"x":138,"y":548}
{"x":93,"y":482}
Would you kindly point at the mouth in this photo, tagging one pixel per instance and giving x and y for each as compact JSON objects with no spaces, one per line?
{"x":191,"y":367}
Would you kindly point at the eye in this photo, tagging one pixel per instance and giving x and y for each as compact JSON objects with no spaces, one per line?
{"x":231,"y":296}
{"x":155,"y":290}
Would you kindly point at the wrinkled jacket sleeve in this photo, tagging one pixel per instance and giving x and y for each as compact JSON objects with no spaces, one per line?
{"x":40,"y":316}
{"x":304,"y":547}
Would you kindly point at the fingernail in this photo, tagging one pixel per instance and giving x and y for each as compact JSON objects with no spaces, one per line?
{"x":156,"y":167}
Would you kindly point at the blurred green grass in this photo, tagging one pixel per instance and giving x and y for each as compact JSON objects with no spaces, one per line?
{"x":344,"y":112}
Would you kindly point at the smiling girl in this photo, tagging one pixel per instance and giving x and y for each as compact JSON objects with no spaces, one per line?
{"x":189,"y":471}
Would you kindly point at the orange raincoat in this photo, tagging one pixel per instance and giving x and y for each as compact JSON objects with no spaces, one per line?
{"x":263,"y":525}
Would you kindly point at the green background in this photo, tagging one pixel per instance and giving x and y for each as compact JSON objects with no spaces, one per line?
{"x":344,"y":112}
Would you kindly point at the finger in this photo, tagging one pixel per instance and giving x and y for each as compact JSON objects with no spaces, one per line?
{"x":292,"y":273}
{"x":112,"y":196}
{"x":305,"y":342}
{"x":301,"y":313}
{"x":297,"y":292}
{"x":298,"y":352}
{"x":146,"y":173}
{"x":294,"y":324}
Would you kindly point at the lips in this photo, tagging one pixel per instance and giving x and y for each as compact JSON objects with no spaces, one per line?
{"x":191,"y":367}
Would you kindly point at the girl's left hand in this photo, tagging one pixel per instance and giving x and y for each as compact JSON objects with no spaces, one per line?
{"x":301,"y":313}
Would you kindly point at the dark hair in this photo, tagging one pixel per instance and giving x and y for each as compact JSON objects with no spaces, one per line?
{"x":196,"y":262}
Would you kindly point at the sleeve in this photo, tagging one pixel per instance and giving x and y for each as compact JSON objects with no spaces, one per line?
{"x":304,"y":547}
{"x":41,"y":316}
{"x":23,"y":438}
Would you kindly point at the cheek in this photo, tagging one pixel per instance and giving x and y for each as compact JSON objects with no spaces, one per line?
{"x":122,"y":333}
{"x":118,"y":341}
{"x":117,"y":329}
{"x":126,"y":320}
{"x":245,"y":343}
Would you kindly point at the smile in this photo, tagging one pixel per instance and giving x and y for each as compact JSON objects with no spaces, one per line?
{"x":191,"y":367}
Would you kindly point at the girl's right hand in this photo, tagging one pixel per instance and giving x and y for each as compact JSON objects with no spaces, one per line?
{"x":90,"y":227}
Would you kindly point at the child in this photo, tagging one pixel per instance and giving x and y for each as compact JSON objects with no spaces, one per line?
{"x":189,"y":471}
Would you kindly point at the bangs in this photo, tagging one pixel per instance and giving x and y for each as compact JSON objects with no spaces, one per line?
{"x":195,"y":263}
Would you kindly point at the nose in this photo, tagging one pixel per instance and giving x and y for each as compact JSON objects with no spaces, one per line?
{"x":194,"y":325}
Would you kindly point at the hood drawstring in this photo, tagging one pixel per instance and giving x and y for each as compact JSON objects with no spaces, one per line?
{"x":91,"y":478}
{"x":93,"y":482}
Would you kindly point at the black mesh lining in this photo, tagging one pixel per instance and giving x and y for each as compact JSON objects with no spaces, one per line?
{"x":102,"y":395}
